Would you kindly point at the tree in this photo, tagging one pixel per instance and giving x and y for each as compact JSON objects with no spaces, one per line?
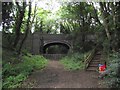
{"x":27,"y":28}
{"x":80,"y":18}
{"x":18,"y":22}
{"x":110,"y":14}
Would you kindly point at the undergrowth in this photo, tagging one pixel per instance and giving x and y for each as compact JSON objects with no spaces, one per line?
{"x":74,"y":61}
{"x":14,"y":73}
{"x":114,"y":67}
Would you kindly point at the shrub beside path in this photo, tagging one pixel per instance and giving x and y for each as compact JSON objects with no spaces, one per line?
{"x":55,"y":76}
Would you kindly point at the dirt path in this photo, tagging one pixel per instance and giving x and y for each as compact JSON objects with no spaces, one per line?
{"x":55,"y":76}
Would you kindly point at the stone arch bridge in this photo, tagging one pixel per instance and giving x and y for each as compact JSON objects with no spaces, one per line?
{"x":37,"y":42}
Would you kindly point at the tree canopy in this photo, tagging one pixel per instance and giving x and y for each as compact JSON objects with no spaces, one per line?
{"x":75,"y":18}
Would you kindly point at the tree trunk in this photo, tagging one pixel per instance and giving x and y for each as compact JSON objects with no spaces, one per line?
{"x":83,"y":33}
{"x":32,"y":21}
{"x":27,"y":29}
{"x":96,"y":15}
{"x":105,"y":20}
{"x":18,"y":23}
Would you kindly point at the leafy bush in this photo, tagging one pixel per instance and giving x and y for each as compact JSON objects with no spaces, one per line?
{"x":13,"y":81}
{"x":73,"y":62}
{"x":36,"y":61}
{"x":114,"y":76}
{"x":14,"y":74}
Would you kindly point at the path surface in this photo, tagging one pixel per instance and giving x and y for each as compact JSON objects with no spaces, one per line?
{"x":55,"y":76}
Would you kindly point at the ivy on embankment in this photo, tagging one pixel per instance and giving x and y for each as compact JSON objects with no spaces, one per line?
{"x":15,"y":74}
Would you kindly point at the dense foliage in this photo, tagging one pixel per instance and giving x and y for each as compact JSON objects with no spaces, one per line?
{"x":14,"y":73}
{"x":113,"y":66}
{"x":74,"y":61}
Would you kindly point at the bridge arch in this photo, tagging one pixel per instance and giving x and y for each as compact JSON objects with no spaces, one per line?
{"x":48,"y":44}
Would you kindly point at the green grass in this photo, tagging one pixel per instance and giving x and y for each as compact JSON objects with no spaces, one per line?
{"x":73,"y":62}
{"x":15,"y":73}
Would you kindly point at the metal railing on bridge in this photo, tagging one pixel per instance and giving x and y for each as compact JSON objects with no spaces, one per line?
{"x":54,"y":56}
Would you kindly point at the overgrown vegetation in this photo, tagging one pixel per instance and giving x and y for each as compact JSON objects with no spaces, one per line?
{"x":88,"y":23}
{"x":114,"y":67}
{"x":15,"y":72}
{"x":74,"y":61}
